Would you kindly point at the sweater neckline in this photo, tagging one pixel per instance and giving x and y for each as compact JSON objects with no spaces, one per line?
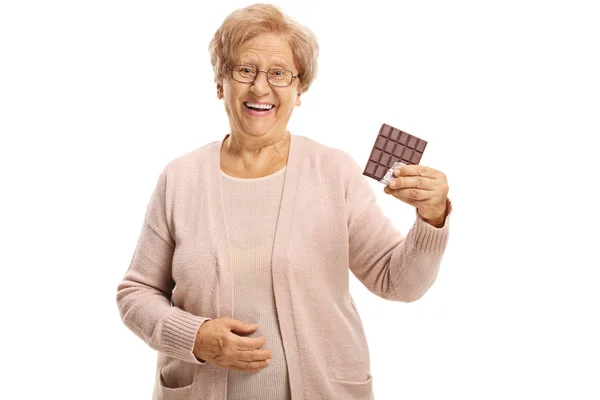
{"x":262,"y":178}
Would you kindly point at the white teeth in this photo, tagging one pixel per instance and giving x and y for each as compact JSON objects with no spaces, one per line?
{"x":261,"y":106}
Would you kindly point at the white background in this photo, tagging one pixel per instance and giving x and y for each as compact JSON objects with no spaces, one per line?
{"x":96,"y":97}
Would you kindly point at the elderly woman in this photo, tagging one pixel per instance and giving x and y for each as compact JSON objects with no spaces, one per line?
{"x":240,"y":276}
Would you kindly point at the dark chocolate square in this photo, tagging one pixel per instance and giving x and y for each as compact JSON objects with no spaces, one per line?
{"x":376,"y":155}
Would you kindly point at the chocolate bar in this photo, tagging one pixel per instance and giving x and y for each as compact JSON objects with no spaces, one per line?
{"x":393,"y":148}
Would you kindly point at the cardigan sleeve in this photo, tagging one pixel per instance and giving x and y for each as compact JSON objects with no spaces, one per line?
{"x":389,"y":264}
{"x":143,"y":295}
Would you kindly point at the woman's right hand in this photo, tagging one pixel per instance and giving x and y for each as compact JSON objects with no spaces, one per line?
{"x":218,"y":342}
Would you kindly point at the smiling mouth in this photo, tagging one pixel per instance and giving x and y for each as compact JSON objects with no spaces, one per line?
{"x":255,"y":107}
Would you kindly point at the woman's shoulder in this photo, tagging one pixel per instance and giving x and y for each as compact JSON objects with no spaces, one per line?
{"x":197,"y":155}
{"x":333,"y":156}
{"x":192,"y":160}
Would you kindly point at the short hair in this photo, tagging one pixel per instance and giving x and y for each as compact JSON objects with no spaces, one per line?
{"x":246,"y":23}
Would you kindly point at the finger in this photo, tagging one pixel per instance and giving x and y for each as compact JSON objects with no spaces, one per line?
{"x":251,"y":365}
{"x":416,"y":170}
{"x":419,"y":182}
{"x":247,"y":343}
{"x":412,"y":194}
{"x":255,"y":355}
{"x":241,"y":326}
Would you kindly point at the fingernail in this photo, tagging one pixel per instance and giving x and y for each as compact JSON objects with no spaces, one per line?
{"x":268,"y":361}
{"x":393,"y":184}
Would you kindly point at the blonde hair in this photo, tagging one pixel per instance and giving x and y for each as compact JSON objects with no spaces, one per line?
{"x":247,"y":23}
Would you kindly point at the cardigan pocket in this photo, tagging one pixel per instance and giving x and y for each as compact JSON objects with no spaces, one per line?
{"x":353,"y":390}
{"x":176,"y":379}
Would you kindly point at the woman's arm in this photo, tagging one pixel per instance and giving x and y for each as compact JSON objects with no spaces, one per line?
{"x":389,"y":264}
{"x":143,"y":296}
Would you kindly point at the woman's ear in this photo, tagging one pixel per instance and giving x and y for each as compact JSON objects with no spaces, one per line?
{"x":219,"y":91}
{"x":298,"y":102}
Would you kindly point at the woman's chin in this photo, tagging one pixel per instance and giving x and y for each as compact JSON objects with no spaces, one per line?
{"x":258,"y":130}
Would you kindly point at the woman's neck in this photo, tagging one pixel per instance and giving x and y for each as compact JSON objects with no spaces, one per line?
{"x":240,"y":155}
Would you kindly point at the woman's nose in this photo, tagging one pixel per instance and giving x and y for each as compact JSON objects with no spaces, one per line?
{"x":261,"y":86}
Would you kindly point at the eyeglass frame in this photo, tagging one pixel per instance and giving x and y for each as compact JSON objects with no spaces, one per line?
{"x":258,"y":71}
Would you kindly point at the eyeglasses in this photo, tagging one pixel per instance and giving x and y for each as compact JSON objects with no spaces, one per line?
{"x":275,"y":76}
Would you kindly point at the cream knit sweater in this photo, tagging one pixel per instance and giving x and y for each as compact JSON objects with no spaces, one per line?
{"x":251,"y":210}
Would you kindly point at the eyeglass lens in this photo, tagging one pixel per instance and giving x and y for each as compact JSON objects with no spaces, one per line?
{"x":275,"y":76}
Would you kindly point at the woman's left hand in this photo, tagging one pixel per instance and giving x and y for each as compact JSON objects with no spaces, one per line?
{"x":422,"y":187}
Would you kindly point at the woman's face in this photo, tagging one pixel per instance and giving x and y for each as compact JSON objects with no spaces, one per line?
{"x":264,"y":52}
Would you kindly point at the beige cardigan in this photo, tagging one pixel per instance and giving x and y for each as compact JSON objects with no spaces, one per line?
{"x":329,"y":224}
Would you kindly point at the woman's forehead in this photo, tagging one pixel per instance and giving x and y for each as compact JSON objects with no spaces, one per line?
{"x":266,"y":48}
{"x":263,"y":62}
